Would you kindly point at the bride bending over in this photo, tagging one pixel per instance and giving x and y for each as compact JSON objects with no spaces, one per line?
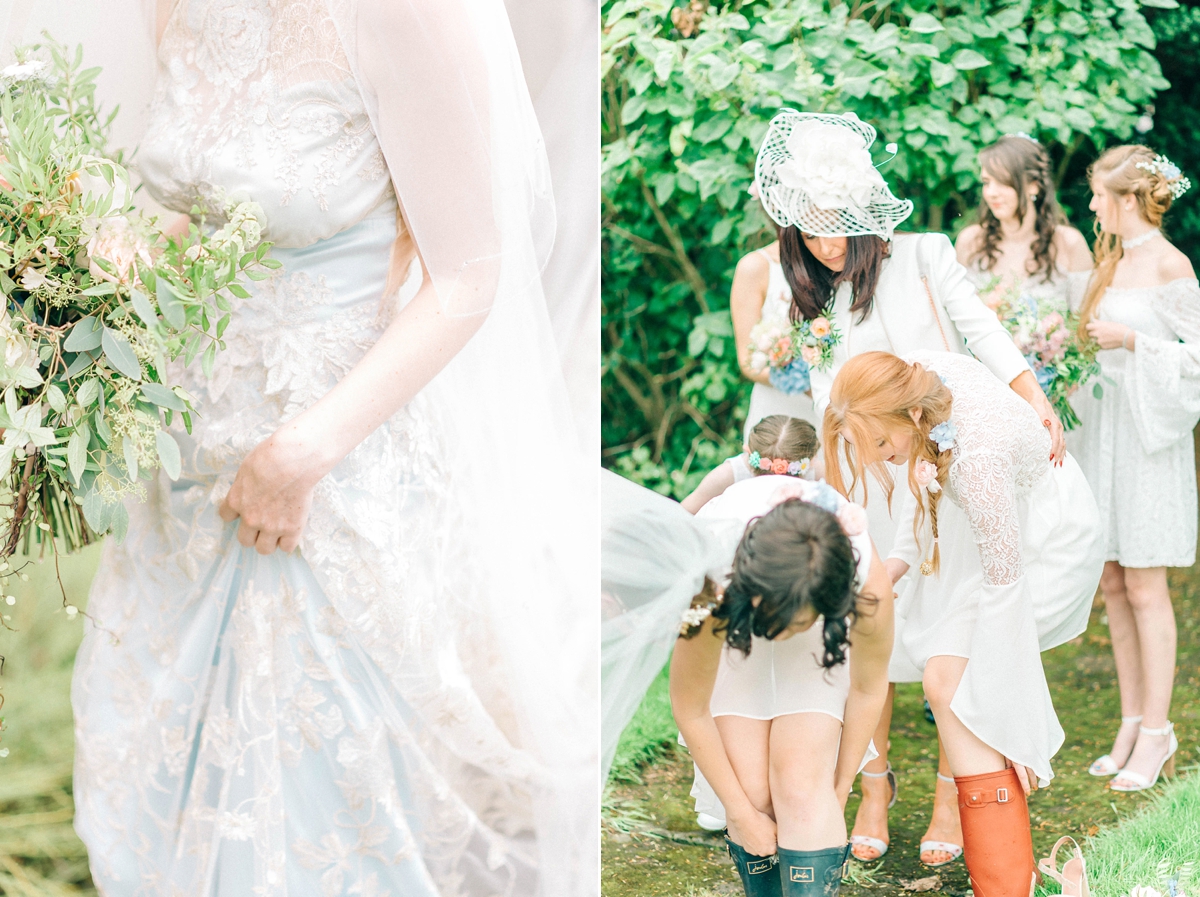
{"x":1016,"y":528}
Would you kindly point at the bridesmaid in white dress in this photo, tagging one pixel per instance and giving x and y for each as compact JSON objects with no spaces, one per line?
{"x":760,"y":293}
{"x":375,"y":677}
{"x":779,"y":721}
{"x":1143,"y":308}
{"x":1021,"y":238}
{"x":1016,"y":528}
{"x":884,"y":292}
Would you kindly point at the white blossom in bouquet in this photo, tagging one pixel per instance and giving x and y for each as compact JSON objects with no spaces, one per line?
{"x":243,"y":227}
{"x":23,"y":71}
{"x":20,"y":355}
{"x":89,"y":181}
{"x":831,"y":165}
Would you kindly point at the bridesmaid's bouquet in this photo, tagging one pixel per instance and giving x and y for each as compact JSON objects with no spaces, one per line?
{"x":97,"y":301}
{"x":789,"y":350}
{"x":1046,"y":337}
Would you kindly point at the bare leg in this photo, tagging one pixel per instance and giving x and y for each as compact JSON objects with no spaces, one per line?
{"x":965,"y":752}
{"x":803,"y":758}
{"x":944,"y":825}
{"x":1150,"y":601}
{"x":871,"y":819}
{"x":746,"y":744}
{"x":1127,"y":653}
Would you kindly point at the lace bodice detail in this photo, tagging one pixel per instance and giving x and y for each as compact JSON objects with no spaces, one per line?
{"x":255,"y":100}
{"x":1001,"y":451}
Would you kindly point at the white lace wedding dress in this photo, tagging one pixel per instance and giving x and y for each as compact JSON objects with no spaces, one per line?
{"x":1020,"y":559}
{"x":338,"y":720}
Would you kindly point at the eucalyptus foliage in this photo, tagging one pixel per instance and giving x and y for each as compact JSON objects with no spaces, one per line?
{"x":97,"y":303}
{"x":682,"y":119}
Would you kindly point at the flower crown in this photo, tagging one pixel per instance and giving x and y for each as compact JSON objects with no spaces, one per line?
{"x":780,"y":466}
{"x":1176,"y":182}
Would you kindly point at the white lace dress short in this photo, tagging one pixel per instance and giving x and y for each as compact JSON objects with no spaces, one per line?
{"x":766,"y":400}
{"x":778,"y":677}
{"x":1135,"y":444}
{"x":1020,"y":560}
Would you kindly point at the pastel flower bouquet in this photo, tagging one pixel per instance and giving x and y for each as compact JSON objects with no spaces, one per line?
{"x":1046,"y":337}
{"x":97,"y":303}
{"x":789,"y":350}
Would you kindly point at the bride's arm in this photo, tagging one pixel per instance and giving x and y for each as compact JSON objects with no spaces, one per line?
{"x":871,"y":650}
{"x":694,"y":666}
{"x":273,"y":489}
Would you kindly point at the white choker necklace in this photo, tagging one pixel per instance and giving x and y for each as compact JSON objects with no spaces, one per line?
{"x":1144,"y":238}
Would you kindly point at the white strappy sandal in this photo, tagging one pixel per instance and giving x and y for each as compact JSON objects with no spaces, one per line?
{"x":1106,"y":765}
{"x":876,"y":844}
{"x":1165,"y":767}
{"x":955,"y":850}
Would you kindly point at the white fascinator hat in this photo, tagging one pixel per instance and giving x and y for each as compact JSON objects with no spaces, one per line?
{"x":814,"y":172}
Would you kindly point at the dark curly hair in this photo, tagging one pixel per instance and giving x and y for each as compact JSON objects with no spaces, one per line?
{"x":793,"y":557}
{"x":1018,"y":162}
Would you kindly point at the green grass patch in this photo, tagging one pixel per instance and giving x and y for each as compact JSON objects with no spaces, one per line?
{"x":650,"y":735}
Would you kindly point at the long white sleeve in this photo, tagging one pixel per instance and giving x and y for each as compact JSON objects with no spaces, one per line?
{"x":1164,"y":377}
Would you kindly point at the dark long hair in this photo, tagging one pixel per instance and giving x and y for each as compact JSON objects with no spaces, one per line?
{"x":813,"y":284}
{"x":1018,"y":162}
{"x":793,"y":557}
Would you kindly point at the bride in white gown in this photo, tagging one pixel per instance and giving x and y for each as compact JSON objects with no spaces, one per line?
{"x":405,"y":705}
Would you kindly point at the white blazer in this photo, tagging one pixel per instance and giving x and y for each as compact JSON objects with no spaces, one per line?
{"x":907,"y":313}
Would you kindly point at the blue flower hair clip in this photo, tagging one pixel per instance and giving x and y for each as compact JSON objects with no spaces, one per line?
{"x":944,"y":434}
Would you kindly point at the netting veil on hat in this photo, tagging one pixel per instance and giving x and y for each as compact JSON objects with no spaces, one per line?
{"x":814,"y":172}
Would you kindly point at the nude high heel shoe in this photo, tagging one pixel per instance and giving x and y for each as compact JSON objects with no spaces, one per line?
{"x":1073,"y":878}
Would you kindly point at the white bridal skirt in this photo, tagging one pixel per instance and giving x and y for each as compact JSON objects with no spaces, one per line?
{"x":1002,"y":629}
{"x":344,"y":719}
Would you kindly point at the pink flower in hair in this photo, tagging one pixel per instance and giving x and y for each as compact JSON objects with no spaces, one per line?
{"x":853,"y":519}
{"x":788,"y":491}
{"x":779,"y":466}
{"x":925,"y":473}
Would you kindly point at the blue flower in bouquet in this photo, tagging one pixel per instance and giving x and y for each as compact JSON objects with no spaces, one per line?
{"x":1045,"y":376}
{"x":792,"y":379}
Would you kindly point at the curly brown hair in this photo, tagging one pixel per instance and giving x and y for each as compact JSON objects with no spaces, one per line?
{"x":1018,"y":162}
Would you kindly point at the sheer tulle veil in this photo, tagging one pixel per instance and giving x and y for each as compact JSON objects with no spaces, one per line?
{"x":444,"y":88}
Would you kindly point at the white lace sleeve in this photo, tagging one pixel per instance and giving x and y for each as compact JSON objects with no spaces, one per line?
{"x":986,"y":490}
{"x":1165,"y":374}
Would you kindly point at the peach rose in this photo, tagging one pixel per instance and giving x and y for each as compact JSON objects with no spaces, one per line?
{"x":819,"y":327}
{"x":810,"y":354}
{"x":779,"y":466}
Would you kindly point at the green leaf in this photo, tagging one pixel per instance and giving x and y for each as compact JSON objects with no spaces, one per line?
{"x":1161,"y":4}
{"x":238,"y":290}
{"x":55,"y":397}
{"x":159,"y":395}
{"x":172,"y":308}
{"x":120,"y":522}
{"x":84,"y":336}
{"x":87,"y":393}
{"x":144,"y":309}
{"x":120,"y":354}
{"x":206,"y":361}
{"x":168,"y":453}
{"x":942,"y":73}
{"x":633,"y":109}
{"x":921,"y":50}
{"x":97,"y":512}
{"x":967,"y":60}
{"x":924,"y":23}
{"x":77,"y":450}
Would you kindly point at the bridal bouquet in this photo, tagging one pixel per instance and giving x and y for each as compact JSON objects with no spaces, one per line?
{"x":789,"y":350}
{"x":97,"y":302}
{"x":1046,"y":337}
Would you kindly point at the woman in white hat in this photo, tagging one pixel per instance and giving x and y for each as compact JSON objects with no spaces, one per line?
{"x":882,"y":292}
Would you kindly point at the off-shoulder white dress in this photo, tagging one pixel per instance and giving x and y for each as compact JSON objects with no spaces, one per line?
{"x":1135,"y":445}
{"x":1021,"y":556}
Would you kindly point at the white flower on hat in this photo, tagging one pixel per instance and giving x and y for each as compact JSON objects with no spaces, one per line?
{"x":831,"y":165}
